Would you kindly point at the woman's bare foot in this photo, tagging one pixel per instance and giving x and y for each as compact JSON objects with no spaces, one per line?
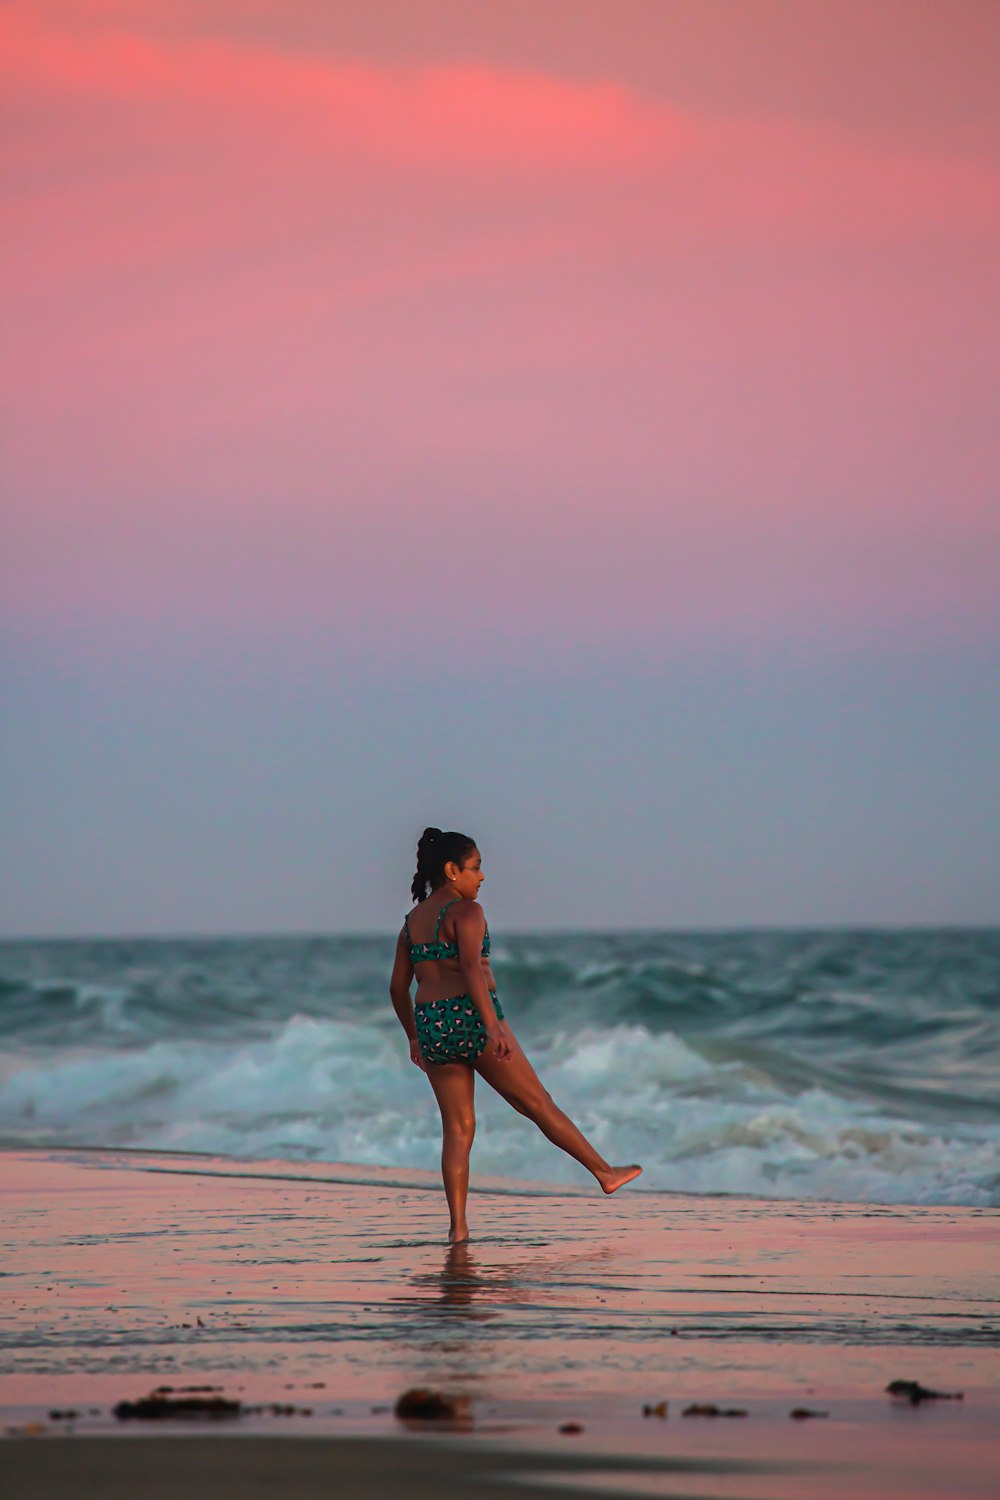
{"x":617,"y":1177}
{"x":459,"y":1233}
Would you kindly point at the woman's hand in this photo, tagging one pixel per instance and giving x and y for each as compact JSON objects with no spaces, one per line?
{"x":415,"y":1056}
{"x":496,"y":1037}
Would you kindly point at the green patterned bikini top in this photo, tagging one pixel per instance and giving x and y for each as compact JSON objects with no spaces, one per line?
{"x":421,"y":952}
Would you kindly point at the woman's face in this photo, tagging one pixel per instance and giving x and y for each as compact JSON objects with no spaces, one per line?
{"x":469,"y":878}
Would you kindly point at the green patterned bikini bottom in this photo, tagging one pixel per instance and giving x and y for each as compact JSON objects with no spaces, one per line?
{"x":452,"y":1030}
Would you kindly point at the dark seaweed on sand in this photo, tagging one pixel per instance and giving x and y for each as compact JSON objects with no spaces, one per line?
{"x":914,"y":1392}
{"x":157,"y":1407}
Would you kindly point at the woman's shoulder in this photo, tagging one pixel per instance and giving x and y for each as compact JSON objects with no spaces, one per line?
{"x":409,"y":915}
{"x":469,"y":913}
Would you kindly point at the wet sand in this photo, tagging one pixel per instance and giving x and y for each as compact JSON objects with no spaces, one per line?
{"x":326,"y":1291}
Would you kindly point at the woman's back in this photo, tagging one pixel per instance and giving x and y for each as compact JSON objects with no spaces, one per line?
{"x":435,"y":958}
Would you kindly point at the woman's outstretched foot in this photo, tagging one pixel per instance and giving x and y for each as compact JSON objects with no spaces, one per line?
{"x":616,"y":1177}
{"x":459,"y":1233}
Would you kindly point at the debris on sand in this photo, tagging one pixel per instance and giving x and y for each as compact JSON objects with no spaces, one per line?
{"x":709,"y":1409}
{"x":169,"y":1390}
{"x":657,"y":1410}
{"x":800,"y":1413}
{"x":159,"y":1406}
{"x":423,"y":1405}
{"x":914,"y":1392}
{"x":571,"y":1428}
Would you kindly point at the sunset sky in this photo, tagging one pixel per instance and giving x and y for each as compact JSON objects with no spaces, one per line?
{"x":572,"y":421}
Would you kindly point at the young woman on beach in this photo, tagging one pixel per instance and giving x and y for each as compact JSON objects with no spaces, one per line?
{"x":456,"y":1026}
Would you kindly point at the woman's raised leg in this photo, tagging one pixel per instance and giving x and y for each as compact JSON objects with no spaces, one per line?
{"x":516,"y":1081}
{"x":454,"y":1087}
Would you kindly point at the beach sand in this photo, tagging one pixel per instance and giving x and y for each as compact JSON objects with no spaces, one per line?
{"x":315,"y":1294}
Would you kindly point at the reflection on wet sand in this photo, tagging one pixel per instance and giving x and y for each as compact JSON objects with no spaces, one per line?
{"x":466,"y":1282}
{"x":447,"y":1307}
{"x":119,"y":1265}
{"x":460,"y":1282}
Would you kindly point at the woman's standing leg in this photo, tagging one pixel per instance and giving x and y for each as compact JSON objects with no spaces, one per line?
{"x":517,"y":1082}
{"x":454,"y":1087}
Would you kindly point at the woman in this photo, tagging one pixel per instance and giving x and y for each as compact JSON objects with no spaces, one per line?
{"x":456,"y":1026}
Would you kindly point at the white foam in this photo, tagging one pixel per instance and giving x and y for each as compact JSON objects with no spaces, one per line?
{"x":335,"y":1090}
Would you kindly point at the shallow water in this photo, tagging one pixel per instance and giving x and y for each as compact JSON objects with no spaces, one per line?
{"x":858,"y":1066}
{"x":111,"y":1261}
{"x":328,"y":1290}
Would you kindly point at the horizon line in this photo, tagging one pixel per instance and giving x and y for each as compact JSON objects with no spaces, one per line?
{"x":371,"y":934}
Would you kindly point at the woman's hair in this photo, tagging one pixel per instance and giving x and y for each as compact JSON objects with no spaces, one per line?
{"x":434,"y":851}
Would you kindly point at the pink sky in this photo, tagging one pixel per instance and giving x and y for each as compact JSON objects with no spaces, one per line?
{"x":677,"y":321}
{"x":619,"y":375}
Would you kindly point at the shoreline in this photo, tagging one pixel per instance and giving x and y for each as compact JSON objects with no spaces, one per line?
{"x":292,"y":1290}
{"x":414,"y":1179}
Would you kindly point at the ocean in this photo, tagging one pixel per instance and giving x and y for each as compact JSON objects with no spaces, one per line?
{"x":860,"y":1066}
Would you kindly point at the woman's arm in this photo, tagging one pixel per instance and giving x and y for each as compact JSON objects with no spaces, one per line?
{"x":399,"y":987}
{"x":470,"y":927}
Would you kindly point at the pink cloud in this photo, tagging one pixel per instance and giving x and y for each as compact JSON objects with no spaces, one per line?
{"x":458,"y":116}
{"x":279,"y":322}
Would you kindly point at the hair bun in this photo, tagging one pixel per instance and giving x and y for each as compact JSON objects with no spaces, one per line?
{"x":434,"y":851}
